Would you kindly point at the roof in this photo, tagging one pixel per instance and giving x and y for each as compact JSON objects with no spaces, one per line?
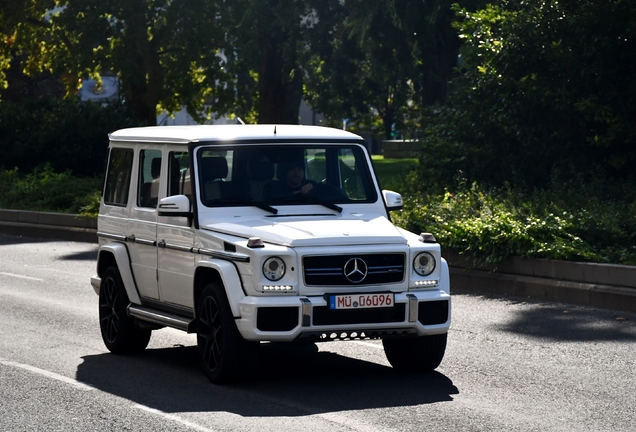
{"x":231,"y":133}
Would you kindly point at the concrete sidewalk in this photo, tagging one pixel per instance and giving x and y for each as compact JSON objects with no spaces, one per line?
{"x":589,"y":284}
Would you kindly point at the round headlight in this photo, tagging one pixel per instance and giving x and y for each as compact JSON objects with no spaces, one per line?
{"x":424,"y":264}
{"x":274,"y":268}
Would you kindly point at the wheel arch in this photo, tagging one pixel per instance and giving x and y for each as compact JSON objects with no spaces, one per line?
{"x":222,"y":272}
{"x":117,"y":254}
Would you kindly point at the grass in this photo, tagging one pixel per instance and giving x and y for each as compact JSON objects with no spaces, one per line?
{"x":393,"y":173}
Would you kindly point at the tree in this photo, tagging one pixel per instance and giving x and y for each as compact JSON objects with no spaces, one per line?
{"x":165,"y":53}
{"x":266,"y":48}
{"x":546,"y":87}
{"x":385,"y":59}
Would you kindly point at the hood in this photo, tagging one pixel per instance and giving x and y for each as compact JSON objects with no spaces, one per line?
{"x":307,"y":232}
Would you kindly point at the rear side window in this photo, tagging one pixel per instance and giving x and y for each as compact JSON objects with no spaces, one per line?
{"x":118,"y":177}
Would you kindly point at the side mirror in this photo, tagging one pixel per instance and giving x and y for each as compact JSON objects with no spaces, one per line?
{"x":176,"y":205}
{"x":392,"y":200}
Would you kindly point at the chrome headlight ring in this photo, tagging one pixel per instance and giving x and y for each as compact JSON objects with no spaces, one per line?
{"x":274,"y":268}
{"x":424,"y":263}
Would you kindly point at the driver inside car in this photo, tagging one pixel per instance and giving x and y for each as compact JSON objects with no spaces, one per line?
{"x":292,"y":181}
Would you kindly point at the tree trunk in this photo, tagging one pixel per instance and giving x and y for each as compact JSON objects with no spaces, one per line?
{"x":280,"y":88}
{"x":142,"y":80}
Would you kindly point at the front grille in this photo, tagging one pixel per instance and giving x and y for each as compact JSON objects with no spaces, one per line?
{"x":322,"y":315}
{"x":330,"y":269}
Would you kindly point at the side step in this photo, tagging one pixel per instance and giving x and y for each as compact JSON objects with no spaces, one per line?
{"x":162,"y":318}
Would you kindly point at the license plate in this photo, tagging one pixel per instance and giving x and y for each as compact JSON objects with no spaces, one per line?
{"x":360,"y":301}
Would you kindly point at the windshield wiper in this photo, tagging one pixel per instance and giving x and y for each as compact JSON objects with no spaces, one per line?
{"x":314,"y":200}
{"x":260,"y":205}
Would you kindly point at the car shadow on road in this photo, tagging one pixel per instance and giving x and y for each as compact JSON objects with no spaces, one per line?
{"x":80,"y":256}
{"x":561,"y":322}
{"x":91,"y":255}
{"x":286,"y":381}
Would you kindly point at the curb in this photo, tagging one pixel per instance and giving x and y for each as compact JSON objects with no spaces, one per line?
{"x":593,"y":295}
{"x":58,"y":226}
{"x":605,"y":286}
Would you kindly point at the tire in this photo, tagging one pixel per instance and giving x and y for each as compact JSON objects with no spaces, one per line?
{"x":420,"y":354}
{"x":120,"y":332}
{"x":223,"y":352}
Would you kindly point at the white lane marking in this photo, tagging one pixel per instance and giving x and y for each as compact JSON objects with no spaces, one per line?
{"x":83,"y":386}
{"x":173,"y":418}
{"x":22,"y":277}
{"x":48,"y":374}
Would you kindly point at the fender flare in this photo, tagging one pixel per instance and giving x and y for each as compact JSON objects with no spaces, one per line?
{"x":230,"y":278}
{"x":444,"y":280}
{"x":119,"y":251}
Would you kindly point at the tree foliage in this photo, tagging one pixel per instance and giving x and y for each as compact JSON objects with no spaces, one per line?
{"x":266,"y":49}
{"x":546,"y":89}
{"x":382,"y":60}
{"x":165,"y":53}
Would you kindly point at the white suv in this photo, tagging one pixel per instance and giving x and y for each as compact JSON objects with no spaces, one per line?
{"x":250,"y":233}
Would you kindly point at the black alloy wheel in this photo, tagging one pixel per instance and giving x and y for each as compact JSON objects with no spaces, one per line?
{"x":120,"y":332}
{"x":223,"y":352}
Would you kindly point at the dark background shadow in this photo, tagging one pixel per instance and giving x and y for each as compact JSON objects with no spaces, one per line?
{"x":288,"y":380}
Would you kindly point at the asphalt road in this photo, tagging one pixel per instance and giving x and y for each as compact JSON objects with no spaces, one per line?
{"x":511,"y":365}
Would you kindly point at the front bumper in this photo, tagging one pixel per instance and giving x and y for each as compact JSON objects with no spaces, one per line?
{"x":287,"y":319}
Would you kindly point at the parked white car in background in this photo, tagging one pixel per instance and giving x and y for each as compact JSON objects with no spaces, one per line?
{"x":249,"y":233}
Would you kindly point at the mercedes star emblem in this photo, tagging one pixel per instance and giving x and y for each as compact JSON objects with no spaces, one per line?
{"x":355,"y":270}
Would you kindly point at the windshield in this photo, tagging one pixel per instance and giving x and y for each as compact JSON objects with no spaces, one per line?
{"x":264,"y":175}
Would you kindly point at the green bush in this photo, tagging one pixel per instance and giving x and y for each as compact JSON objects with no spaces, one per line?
{"x":563,"y":222}
{"x":45,"y":190}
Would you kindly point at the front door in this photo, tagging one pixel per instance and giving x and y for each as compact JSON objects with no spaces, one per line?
{"x":143,"y":223}
{"x":175,"y":239}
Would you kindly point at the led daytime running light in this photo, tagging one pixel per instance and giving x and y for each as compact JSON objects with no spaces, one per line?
{"x":277,"y":288}
{"x":426,"y":283}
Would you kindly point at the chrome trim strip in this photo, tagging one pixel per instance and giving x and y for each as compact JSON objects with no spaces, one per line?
{"x":162,"y":244}
{"x":112,"y":236}
{"x":145,"y":242}
{"x":306,"y":311}
{"x":223,"y":255}
{"x":412,"y":307}
{"x":178,"y":247}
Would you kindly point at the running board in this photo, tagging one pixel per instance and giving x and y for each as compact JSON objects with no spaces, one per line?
{"x":162,"y":318}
